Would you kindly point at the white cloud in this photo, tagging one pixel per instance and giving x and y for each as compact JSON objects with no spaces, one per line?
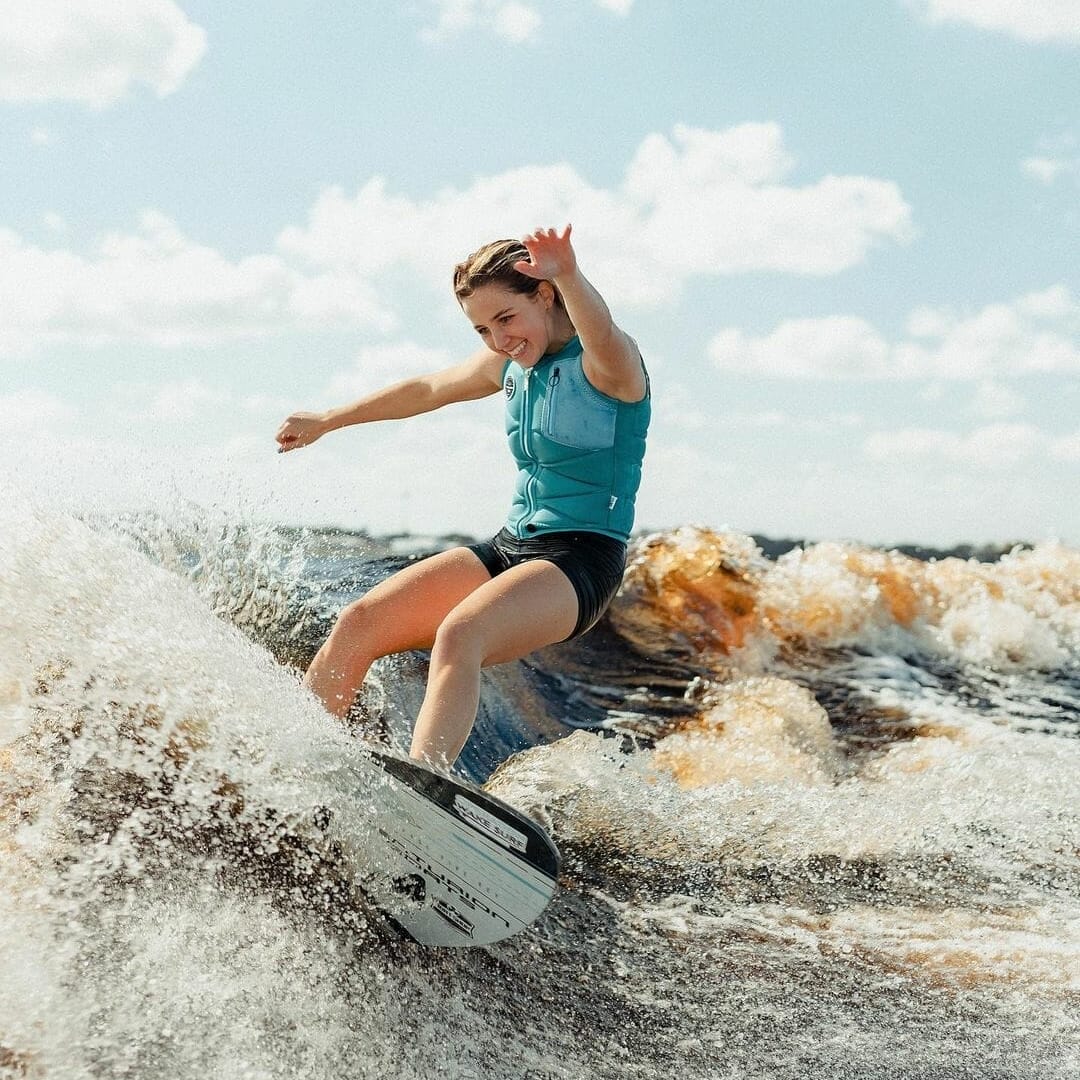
{"x":987,"y":447}
{"x":173,"y":402}
{"x":680,"y":407}
{"x":1045,"y":170}
{"x":1056,"y":156}
{"x":511,"y":20}
{"x":93,"y":51}
{"x":1029,"y":20}
{"x":383,"y":365}
{"x":1066,"y":448}
{"x":157,"y":286}
{"x":694,"y":202}
{"x":515,"y":22}
{"x":1039,"y":332}
{"x":834,"y":347}
{"x":993,"y":401}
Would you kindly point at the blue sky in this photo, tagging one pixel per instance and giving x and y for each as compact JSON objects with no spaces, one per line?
{"x":845,"y":235}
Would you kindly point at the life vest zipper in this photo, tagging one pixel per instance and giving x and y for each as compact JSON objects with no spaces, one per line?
{"x":526,"y":446}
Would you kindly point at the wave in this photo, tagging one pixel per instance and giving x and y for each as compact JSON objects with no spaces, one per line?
{"x":818,"y":812}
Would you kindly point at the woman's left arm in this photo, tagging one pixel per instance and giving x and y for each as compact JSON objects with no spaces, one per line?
{"x":610,"y":357}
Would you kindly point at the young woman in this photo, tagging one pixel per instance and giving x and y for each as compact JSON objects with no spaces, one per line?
{"x":577,"y":412}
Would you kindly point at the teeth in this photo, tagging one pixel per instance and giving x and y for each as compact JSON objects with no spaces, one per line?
{"x":517,"y":350}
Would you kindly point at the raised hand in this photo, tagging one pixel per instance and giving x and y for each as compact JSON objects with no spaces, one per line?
{"x":300,"y":429}
{"x":551,"y":254}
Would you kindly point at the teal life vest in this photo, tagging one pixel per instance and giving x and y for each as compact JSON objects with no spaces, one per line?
{"x":578,"y":451}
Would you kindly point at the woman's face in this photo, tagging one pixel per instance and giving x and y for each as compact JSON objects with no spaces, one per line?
{"x":514,"y":324}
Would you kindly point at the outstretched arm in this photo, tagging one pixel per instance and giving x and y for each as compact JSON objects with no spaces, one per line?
{"x":477,"y":377}
{"x":610,"y":357}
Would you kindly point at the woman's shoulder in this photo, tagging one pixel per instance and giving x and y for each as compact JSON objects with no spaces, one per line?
{"x":621,"y":373}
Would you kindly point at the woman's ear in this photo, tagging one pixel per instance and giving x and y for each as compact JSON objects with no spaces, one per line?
{"x":546,"y":292}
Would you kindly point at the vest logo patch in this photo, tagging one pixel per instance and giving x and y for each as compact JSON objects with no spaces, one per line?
{"x":509,"y":386}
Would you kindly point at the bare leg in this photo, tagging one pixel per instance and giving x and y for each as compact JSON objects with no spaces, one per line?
{"x":523,"y":609}
{"x":401,"y":613}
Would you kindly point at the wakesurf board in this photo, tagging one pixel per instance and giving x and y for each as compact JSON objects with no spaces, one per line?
{"x":455,"y":865}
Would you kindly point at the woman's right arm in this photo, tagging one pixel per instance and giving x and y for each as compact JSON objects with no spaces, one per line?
{"x":477,"y":377}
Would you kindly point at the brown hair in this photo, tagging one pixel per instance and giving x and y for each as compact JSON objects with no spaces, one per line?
{"x":493,"y":264}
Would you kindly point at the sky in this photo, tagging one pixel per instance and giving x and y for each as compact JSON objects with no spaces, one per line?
{"x":845,"y":234}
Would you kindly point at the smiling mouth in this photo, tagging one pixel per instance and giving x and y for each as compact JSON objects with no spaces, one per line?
{"x":516,"y":351}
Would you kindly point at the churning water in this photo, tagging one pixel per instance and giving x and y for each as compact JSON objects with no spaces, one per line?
{"x":819,"y":817}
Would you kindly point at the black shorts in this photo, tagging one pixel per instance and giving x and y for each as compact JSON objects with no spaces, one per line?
{"x":594,"y":563}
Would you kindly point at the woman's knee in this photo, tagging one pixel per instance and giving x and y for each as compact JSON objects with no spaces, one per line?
{"x":458,"y":641}
{"x":354,"y":625}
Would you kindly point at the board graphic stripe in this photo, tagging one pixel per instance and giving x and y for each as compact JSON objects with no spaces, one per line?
{"x":460,"y":828}
{"x":501,"y":866}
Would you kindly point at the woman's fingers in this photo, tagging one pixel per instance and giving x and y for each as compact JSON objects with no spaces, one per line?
{"x":549,"y":253}
{"x":296,"y":431}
